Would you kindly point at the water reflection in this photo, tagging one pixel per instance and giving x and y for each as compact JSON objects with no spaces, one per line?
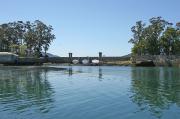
{"x":22,"y":88}
{"x":100,"y":73}
{"x":70,"y":71}
{"x":46,"y":93}
{"x":156,"y":89}
{"x":89,"y":70}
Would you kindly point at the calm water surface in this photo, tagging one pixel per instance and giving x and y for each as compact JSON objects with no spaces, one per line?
{"x":89,"y":93}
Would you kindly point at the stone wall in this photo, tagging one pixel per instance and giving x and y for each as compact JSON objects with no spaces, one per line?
{"x":167,"y":60}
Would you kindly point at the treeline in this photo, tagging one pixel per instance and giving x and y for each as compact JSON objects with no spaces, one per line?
{"x":26,"y":38}
{"x":158,"y":37}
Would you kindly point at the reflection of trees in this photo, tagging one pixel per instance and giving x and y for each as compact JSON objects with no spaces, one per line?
{"x":21,"y":89}
{"x":156,"y":89}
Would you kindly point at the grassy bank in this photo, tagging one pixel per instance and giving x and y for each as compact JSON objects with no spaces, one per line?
{"x":118,"y":63}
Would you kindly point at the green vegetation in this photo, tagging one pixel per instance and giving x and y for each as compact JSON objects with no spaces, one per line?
{"x":158,"y":37}
{"x":26,"y":38}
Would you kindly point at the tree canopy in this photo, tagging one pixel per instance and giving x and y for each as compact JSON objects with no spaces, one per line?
{"x":158,"y":37}
{"x":32,"y":38}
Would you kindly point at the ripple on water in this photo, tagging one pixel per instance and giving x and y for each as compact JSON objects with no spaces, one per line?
{"x":90,"y":93}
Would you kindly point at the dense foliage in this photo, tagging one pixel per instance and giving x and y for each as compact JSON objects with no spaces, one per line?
{"x":158,"y":37}
{"x":25,"y":38}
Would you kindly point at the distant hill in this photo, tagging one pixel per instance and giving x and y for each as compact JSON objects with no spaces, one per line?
{"x":49,"y":55}
{"x":126,"y":56}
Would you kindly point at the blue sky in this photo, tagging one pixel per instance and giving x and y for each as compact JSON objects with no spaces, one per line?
{"x":86,"y":27}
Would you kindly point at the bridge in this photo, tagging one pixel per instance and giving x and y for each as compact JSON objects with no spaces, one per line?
{"x":100,"y":58}
{"x":10,"y":58}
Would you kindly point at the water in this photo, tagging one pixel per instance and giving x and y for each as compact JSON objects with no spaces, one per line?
{"x":89,"y":93}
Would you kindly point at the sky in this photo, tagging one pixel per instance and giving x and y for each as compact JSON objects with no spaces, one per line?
{"x":86,"y":27}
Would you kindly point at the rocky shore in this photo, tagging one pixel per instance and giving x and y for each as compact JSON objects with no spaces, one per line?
{"x":156,"y":60}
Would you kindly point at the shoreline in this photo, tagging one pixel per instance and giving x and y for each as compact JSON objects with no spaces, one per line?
{"x":10,"y":59}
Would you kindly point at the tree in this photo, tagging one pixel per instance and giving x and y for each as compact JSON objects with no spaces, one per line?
{"x":16,"y":32}
{"x":1,"y":38}
{"x":169,"y":41}
{"x":137,"y":39}
{"x":48,"y":38}
{"x":30,"y":37}
{"x":178,"y":30}
{"x":4,"y":36}
{"x":44,"y":37}
{"x":146,"y":39}
{"x":33,"y":37}
{"x":178,"y":25}
{"x":155,"y":29}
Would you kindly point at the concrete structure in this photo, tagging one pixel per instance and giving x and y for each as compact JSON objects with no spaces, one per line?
{"x":8,"y":58}
{"x":85,"y":61}
{"x":100,"y":56}
{"x":75,"y":61}
{"x":70,"y":57}
{"x":95,"y":61}
{"x":104,"y":59}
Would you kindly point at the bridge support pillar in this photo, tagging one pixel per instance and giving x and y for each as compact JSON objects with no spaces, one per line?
{"x":100,"y":56}
{"x":70,"y":57}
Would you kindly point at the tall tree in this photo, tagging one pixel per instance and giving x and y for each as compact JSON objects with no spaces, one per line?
{"x":137,"y":39}
{"x":34,"y":37}
{"x":156,"y":28}
{"x":146,"y":39}
{"x":48,"y":38}
{"x":169,"y":41}
{"x":178,"y":30}
{"x":44,"y":37}
{"x":5,"y":37}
